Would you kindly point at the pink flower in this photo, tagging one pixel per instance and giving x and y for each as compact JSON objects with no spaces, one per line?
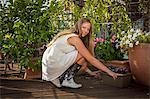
{"x":99,"y":40}
{"x":95,"y":44}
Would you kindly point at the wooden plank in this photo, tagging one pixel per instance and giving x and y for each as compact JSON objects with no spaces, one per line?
{"x":92,"y":89}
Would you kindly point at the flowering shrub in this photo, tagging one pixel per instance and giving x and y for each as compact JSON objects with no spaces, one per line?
{"x":132,"y":38}
{"x":108,"y":49}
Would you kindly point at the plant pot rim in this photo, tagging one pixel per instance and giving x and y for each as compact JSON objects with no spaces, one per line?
{"x":116,"y":61}
{"x":142,"y":44}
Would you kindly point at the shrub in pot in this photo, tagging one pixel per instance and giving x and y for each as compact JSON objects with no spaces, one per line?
{"x":137,"y":43}
{"x":108,"y":51}
{"x":23,"y":31}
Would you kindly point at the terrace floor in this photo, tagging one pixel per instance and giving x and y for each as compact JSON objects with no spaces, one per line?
{"x":13,"y":86}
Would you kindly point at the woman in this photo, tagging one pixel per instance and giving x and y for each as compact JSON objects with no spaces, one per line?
{"x":67,"y":52}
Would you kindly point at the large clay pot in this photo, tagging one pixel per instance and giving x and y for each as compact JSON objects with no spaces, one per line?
{"x":139,"y":60}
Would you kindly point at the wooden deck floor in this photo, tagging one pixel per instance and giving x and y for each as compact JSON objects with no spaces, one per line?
{"x":92,"y":89}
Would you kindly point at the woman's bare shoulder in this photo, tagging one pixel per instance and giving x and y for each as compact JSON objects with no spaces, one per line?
{"x":73,"y":40}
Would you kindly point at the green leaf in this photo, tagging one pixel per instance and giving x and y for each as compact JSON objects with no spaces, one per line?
{"x":18,"y":24}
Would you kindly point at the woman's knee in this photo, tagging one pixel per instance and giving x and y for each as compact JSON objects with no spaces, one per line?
{"x":80,"y":59}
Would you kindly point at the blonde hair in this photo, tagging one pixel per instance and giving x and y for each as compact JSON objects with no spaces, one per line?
{"x":87,"y":40}
{"x":64,"y":32}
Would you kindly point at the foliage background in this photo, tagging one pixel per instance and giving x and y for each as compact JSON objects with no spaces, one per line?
{"x":26,"y":25}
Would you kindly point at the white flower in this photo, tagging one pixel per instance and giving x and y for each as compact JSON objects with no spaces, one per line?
{"x":43,"y":9}
{"x":129,"y":36}
{"x":122,"y":32}
{"x":138,"y":31}
{"x":137,"y":42}
{"x":70,"y":17}
{"x":130,"y":45}
{"x":117,"y":45}
{"x":134,"y":36}
{"x":116,"y":40}
{"x":132,"y":30}
{"x":60,"y":17}
{"x":139,"y":34}
{"x":127,"y":42}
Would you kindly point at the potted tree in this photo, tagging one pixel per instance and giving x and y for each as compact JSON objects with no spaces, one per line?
{"x":23,"y":32}
{"x":27,"y":25}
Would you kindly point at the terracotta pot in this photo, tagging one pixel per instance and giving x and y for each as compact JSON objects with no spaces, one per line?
{"x":30,"y":74}
{"x":139,"y":59}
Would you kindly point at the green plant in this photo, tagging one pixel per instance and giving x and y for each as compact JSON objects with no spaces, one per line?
{"x":133,"y":37}
{"x":29,"y":24}
{"x":23,"y":30}
{"x":107,"y":12}
{"x":107,"y":49}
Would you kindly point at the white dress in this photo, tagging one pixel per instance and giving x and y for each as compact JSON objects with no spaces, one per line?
{"x":58,"y":58}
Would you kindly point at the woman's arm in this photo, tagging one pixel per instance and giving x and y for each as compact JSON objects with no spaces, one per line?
{"x":76,"y":41}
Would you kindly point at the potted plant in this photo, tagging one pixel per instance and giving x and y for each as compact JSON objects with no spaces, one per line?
{"x":137,"y":43}
{"x":108,"y":51}
{"x":24,"y":29}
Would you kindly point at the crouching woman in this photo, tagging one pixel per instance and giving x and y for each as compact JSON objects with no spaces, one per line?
{"x":67,"y":53}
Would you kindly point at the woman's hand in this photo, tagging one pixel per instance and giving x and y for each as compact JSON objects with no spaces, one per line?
{"x":113,"y":74}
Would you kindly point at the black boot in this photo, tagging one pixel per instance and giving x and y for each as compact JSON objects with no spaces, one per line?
{"x":70,"y":72}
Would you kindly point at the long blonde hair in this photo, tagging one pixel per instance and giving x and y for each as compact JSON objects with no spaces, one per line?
{"x":87,"y":40}
{"x":64,"y":32}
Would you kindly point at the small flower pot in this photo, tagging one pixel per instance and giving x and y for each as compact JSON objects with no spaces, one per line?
{"x":33,"y":73}
{"x":30,"y":74}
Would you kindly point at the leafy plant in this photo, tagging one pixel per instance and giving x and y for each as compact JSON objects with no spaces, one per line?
{"x":133,"y":37}
{"x":29,"y":24}
{"x":23,"y":31}
{"x":107,"y":12}
{"x":107,"y":49}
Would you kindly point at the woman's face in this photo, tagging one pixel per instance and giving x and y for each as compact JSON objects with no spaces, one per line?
{"x":85,"y":28}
